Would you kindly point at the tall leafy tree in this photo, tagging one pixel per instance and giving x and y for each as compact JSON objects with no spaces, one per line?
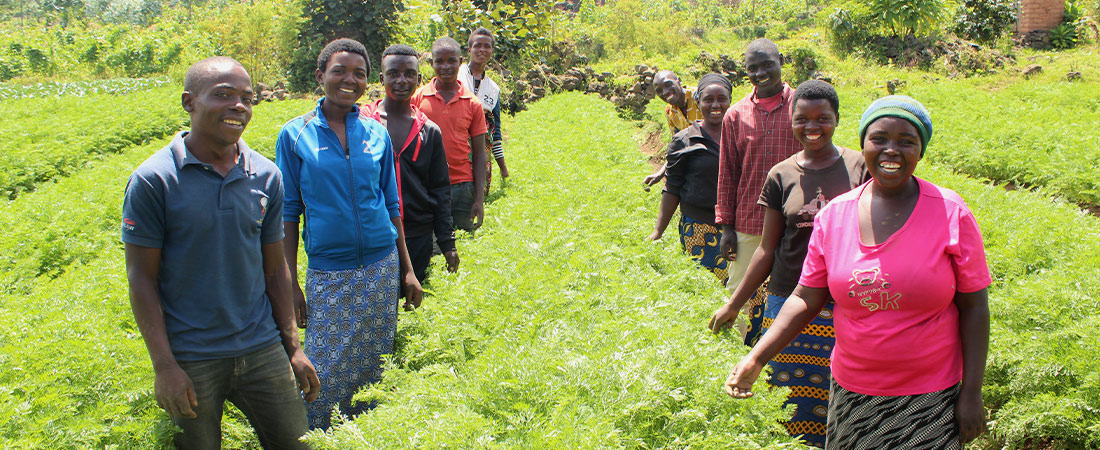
{"x":371,"y":22}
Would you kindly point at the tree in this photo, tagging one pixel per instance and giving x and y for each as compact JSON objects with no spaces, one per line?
{"x":368,"y":21}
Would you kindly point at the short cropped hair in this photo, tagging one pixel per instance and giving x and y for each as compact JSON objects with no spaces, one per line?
{"x":446,"y":42}
{"x":481,"y":31}
{"x":763,"y":45}
{"x":196,"y":74}
{"x":400,"y":50}
{"x":816,"y":90}
{"x":342,"y":45}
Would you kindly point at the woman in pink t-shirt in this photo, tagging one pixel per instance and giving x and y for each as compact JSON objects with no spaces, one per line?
{"x":903,"y":260}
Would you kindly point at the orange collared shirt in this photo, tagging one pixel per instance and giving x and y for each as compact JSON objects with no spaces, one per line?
{"x":459,"y":119}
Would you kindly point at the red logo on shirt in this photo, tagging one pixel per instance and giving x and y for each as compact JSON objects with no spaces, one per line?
{"x":128,"y":224}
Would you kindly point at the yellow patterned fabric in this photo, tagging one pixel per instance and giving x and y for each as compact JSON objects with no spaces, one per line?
{"x":803,"y":367}
{"x":700,"y":241}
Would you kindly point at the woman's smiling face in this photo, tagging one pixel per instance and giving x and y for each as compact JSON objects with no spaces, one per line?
{"x":714,"y":100}
{"x":344,"y":78}
{"x":891,"y":149}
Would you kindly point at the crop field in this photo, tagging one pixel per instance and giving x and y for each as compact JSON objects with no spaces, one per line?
{"x":564,"y":327}
{"x":1036,"y":132}
{"x":44,"y":138}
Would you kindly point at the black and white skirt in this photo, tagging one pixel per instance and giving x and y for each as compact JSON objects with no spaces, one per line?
{"x":858,"y":421}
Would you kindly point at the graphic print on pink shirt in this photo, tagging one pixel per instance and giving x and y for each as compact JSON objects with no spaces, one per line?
{"x":872,"y":290}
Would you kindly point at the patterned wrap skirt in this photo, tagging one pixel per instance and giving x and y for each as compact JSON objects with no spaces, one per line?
{"x":859,"y":421}
{"x":700,"y":241}
{"x":352,"y":323}
{"x":803,"y":366}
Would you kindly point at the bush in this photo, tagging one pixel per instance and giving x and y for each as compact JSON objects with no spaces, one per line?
{"x":804,"y":63}
{"x":260,"y":34}
{"x":984,"y":20}
{"x":1064,"y":36}
{"x":908,"y":17}
{"x":848,"y":30}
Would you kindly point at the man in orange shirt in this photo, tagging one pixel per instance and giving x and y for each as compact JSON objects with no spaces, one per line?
{"x":457,"y":111}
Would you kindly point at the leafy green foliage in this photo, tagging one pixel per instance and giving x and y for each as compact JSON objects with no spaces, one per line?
{"x":47,"y":138}
{"x":564,"y":326}
{"x":1028,"y":136}
{"x":1064,"y":36}
{"x":369,"y":22}
{"x":260,"y":34}
{"x":803,"y":63}
{"x":110,"y":51}
{"x":905,"y":17}
{"x":984,"y":21}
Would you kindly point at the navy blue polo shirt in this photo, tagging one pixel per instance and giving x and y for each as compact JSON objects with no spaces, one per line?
{"x":209,"y":229}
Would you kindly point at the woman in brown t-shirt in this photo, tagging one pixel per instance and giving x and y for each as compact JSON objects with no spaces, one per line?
{"x":795,"y":190}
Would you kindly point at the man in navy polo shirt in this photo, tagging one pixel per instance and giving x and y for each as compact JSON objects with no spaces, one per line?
{"x":209,"y":286}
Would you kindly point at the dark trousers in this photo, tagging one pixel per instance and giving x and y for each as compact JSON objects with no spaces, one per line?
{"x":261,"y":384}
{"x":420,"y":252}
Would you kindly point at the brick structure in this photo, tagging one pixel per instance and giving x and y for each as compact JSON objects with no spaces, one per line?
{"x":1039,"y":15}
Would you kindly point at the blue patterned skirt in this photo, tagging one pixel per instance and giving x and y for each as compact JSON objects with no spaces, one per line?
{"x":352,"y":323}
{"x":803,"y":367}
{"x":700,"y":241}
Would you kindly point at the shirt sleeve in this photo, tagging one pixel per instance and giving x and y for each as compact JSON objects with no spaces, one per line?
{"x":272,"y":228}
{"x":290,"y":165}
{"x":143,"y":213}
{"x":771,"y":195}
{"x":387,"y":176}
{"x":814,"y":272}
{"x":478,"y":126}
{"x":968,"y":254}
{"x":498,"y":139}
{"x":729,"y":172}
{"x":675,"y":170}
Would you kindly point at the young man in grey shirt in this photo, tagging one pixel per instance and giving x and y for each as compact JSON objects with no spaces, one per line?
{"x":209,"y":286}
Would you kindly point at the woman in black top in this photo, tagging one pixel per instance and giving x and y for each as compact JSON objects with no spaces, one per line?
{"x":692,"y":182}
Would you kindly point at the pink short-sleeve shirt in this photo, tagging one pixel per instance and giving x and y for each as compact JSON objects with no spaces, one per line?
{"x":897,"y":327}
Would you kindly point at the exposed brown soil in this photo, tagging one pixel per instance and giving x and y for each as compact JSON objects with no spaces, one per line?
{"x":652,"y":148}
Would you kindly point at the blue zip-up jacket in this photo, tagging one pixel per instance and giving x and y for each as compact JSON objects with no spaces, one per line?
{"x":348,"y":196}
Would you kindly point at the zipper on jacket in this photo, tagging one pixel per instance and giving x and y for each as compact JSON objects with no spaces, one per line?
{"x":354,"y":202}
{"x":355,"y":209}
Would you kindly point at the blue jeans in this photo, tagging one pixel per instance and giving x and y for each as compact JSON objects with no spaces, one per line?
{"x":261,"y":384}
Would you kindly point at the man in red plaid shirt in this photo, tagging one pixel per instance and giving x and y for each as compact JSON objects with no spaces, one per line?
{"x":756,"y":135}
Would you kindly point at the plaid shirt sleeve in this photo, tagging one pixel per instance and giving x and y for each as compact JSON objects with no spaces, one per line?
{"x":729,"y":169}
